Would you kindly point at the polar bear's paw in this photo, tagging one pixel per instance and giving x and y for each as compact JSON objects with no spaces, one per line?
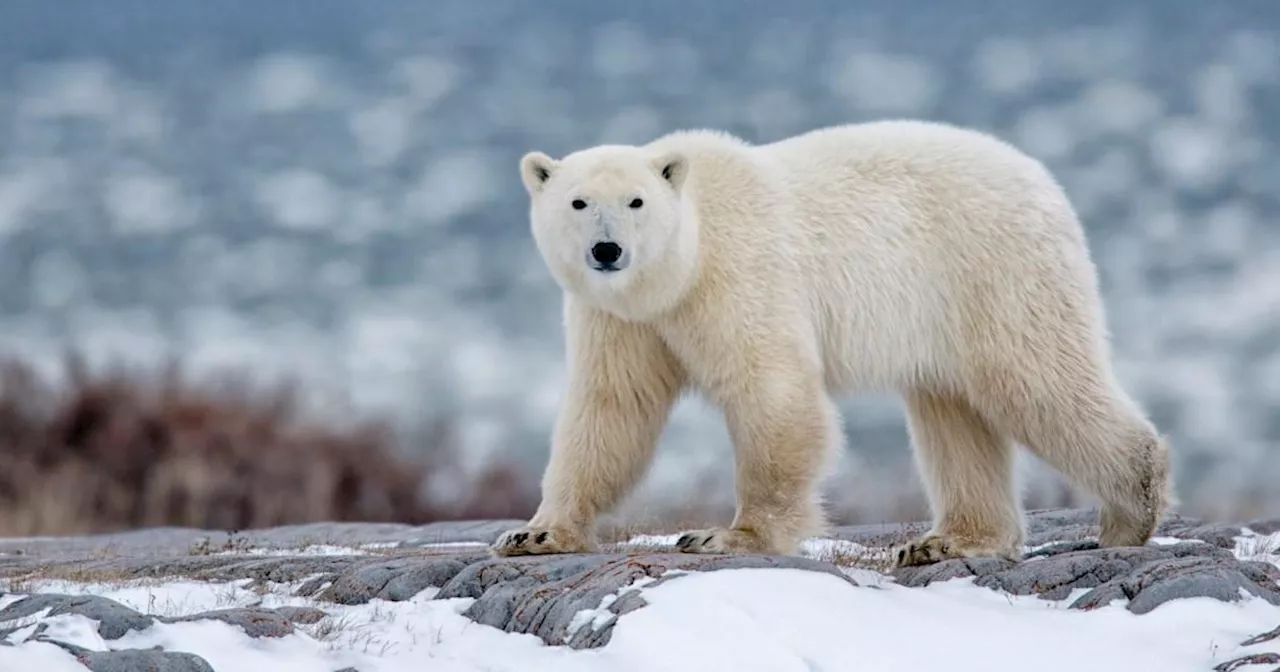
{"x":933,"y":548}
{"x":721,"y":540}
{"x":539,"y":541}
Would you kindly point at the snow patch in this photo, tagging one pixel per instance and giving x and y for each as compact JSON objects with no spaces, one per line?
{"x":601,"y":616}
{"x":1258,"y":547}
{"x":23,"y":627}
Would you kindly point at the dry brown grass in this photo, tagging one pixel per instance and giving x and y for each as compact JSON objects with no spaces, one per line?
{"x":126,"y":449}
{"x":75,"y":574}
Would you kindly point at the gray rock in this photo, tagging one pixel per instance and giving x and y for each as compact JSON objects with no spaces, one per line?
{"x":36,"y":634}
{"x":1264,"y":658}
{"x":541,"y":596}
{"x":114,"y":619}
{"x":878,"y":535}
{"x":314,"y":585}
{"x":479,"y":577}
{"x":1251,"y":659}
{"x":460,"y":532}
{"x":256,"y":623}
{"x":1156,"y":583}
{"x":364,"y":582}
{"x":1267,"y":636}
{"x":141,"y":660}
{"x":171,"y":542}
{"x":1146,"y":576}
{"x":1058,"y":525}
{"x":301,"y":615}
{"x":1133,"y":554}
{"x":1047,"y":526}
{"x":1043,"y":526}
{"x":395,"y":579}
{"x":1266,"y":526}
{"x":1222,"y":535}
{"x":280,"y":569}
{"x":207,"y":568}
{"x":434,"y":572}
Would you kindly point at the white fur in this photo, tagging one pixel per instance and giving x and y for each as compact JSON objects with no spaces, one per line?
{"x":905,"y":256}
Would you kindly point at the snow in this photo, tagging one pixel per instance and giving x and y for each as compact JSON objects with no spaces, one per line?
{"x":822,"y":549}
{"x":969,"y":628}
{"x":316,"y":549}
{"x":745,"y":619}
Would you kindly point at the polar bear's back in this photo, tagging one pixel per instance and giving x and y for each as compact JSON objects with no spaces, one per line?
{"x":937,"y":246}
{"x":922,"y":247}
{"x":922,"y":177}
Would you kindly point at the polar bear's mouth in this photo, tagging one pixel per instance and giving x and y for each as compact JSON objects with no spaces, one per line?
{"x":607,"y":256}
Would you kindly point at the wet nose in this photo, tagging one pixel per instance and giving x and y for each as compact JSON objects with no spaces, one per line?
{"x":606,"y":253}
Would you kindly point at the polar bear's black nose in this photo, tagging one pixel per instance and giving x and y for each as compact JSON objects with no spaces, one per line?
{"x":606,"y":253}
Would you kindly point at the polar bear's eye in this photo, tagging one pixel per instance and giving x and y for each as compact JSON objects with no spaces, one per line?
{"x":636,"y":203}
{"x":578,"y":204}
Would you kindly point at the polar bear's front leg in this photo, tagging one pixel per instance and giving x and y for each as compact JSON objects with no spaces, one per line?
{"x":623,"y":383}
{"x":783,"y":429}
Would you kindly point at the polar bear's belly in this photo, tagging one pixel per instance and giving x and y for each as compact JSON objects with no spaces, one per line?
{"x":884,"y":340}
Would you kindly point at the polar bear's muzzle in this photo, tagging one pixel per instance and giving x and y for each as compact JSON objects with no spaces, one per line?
{"x":608,"y":256}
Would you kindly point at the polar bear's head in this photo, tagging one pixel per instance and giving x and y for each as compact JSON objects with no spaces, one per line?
{"x":611,"y":224}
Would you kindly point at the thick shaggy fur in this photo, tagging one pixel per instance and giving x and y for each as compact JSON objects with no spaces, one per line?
{"x":915,"y":257}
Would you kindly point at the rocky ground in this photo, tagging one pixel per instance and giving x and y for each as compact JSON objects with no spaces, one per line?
{"x":348,"y":564}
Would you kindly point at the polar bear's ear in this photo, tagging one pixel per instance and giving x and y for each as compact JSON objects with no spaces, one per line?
{"x":536,"y":169}
{"x":673,"y":167}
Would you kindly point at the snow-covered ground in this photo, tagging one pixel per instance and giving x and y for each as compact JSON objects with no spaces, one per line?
{"x":743,"y":619}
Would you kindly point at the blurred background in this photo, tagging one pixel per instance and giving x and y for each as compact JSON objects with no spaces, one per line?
{"x":269,"y":262}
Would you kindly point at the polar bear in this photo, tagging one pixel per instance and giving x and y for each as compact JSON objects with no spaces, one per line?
{"x":904,"y":256}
